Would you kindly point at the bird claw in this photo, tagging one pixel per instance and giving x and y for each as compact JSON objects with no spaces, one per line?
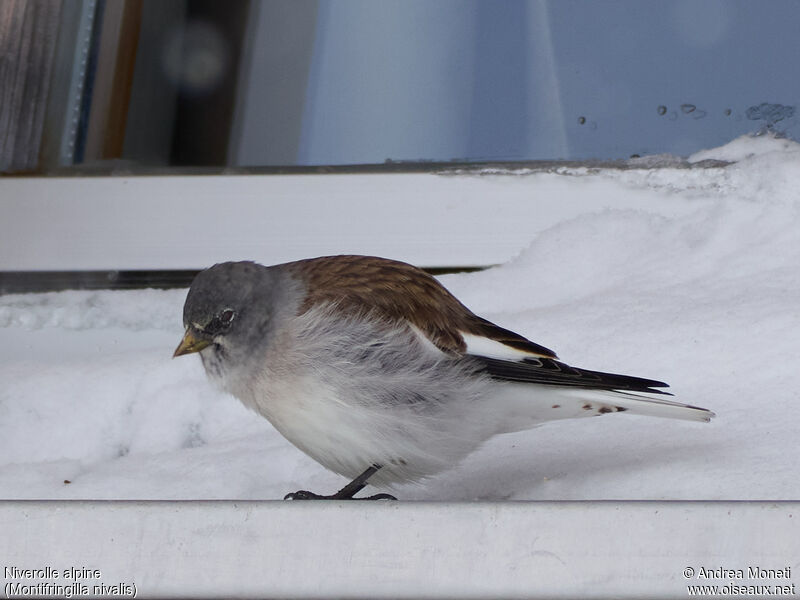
{"x":377,"y":497}
{"x":306,"y":495}
{"x":348,"y":492}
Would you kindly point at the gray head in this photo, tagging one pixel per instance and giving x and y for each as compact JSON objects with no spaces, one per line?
{"x":229,"y":307}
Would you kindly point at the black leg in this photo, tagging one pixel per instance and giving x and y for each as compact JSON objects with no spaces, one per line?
{"x":347,"y":492}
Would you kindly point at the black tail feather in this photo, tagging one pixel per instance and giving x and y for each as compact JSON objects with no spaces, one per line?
{"x":546,"y":371}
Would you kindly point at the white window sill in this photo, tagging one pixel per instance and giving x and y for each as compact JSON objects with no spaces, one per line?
{"x":396,"y":549}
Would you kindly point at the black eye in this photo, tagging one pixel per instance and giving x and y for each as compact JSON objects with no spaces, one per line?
{"x":226,"y":316}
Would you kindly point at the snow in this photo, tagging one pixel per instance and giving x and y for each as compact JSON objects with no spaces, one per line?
{"x":746,"y":147}
{"x":688,"y":275}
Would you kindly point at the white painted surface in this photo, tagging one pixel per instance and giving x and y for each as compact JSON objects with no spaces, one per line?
{"x":183,"y":222}
{"x":390,"y":550}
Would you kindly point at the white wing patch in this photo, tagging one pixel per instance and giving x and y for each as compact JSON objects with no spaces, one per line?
{"x":425,"y":340}
{"x":483,"y":346}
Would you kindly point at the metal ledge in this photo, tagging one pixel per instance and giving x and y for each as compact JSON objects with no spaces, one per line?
{"x":234,"y":549}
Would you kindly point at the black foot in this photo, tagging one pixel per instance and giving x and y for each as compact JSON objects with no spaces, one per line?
{"x":377,"y":497}
{"x":306,"y":495}
{"x":347,"y":492}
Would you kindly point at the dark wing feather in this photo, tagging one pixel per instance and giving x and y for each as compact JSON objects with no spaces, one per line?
{"x":547,"y":371}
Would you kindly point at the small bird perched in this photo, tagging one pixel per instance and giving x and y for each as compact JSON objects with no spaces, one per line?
{"x":371,"y":367}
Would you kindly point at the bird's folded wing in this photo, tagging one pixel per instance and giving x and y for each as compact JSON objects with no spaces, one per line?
{"x":401,"y":293}
{"x":547,"y":371}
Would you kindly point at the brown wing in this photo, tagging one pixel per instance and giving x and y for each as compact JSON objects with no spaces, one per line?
{"x":400,"y":292}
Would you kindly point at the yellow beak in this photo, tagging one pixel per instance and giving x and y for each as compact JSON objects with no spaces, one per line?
{"x":190,"y":344}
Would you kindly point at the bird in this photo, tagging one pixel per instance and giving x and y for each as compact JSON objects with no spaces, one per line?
{"x":375,"y":370}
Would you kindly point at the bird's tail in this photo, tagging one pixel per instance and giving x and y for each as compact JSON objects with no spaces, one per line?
{"x":602,"y":402}
{"x":522,"y":408}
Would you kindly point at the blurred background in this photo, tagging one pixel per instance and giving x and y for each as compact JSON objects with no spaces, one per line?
{"x":148,"y":85}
